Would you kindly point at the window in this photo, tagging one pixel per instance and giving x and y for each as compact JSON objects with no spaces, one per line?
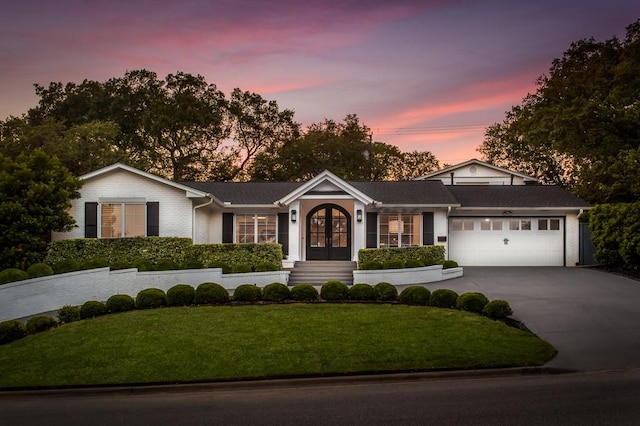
{"x":256,"y":228}
{"x":520,"y":224}
{"x":119,"y":220}
{"x":488,"y":224}
{"x":462,"y":224}
{"x":548,"y":224}
{"x":399,"y":230}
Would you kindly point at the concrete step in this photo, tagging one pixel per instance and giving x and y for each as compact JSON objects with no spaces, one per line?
{"x":319,"y":272}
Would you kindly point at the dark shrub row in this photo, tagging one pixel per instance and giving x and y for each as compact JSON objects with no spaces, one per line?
{"x":395,"y":263}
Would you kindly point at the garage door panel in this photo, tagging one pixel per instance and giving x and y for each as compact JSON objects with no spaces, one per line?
{"x":478,"y":244}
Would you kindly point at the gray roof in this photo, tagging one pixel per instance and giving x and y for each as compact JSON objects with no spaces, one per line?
{"x":426,"y":192}
{"x":537,"y":196}
{"x":246,"y":192}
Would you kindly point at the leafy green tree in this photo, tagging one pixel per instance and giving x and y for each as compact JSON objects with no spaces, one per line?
{"x":583,"y":120}
{"x":411,"y":165}
{"x":35,"y":194}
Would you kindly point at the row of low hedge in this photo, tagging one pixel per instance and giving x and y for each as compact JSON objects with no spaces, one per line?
{"x":215,"y":294}
{"x":373,"y":265}
{"x":428,"y":255}
{"x":615,"y":232}
{"x":165,"y":251}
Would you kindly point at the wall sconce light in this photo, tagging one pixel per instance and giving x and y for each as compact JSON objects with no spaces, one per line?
{"x":359,"y":215}
{"x":294,"y":215}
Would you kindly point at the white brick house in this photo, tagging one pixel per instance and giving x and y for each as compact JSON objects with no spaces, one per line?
{"x":482,"y":214}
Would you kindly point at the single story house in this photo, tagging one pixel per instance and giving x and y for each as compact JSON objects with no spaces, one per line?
{"x":484,"y":215}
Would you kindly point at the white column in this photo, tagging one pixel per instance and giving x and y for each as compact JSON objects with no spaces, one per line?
{"x":359,"y":230}
{"x":295,"y":237}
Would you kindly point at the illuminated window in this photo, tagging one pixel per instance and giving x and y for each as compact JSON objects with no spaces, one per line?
{"x":255,"y":228}
{"x":119,"y":220}
{"x":399,"y":230}
{"x":462,"y":224}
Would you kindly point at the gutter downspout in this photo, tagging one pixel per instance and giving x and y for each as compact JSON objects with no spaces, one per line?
{"x":580,"y":213}
{"x":193,"y":219}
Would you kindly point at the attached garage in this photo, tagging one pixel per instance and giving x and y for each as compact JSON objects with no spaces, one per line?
{"x":507,"y":241}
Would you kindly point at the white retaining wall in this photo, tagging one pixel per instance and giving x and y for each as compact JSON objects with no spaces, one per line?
{"x":45,"y":294}
{"x":423,"y":275}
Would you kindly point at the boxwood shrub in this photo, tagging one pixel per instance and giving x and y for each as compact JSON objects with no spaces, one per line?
{"x":414,"y":295}
{"x":393,"y":264}
{"x":192,"y":264}
{"x":94,"y":263}
{"x":240,"y":268}
{"x":143,"y":265}
{"x":150,"y":298}
{"x":386,"y":291}
{"x":226,"y":269}
{"x":429,"y":255}
{"x":11,"y":330}
{"x":66,"y":265}
{"x":449,"y":264}
{"x":120,"y":303}
{"x":92,"y":309}
{"x":371,"y":265}
{"x":414,"y":263}
{"x":12,"y":274}
{"x":39,"y":270}
{"x":304,"y":292}
{"x":247,"y":293}
{"x":211,"y":294}
{"x":266,"y":266}
{"x":68,"y":314}
{"x":497,"y":309}
{"x":40,"y":323}
{"x":181,"y":295}
{"x":275,"y":292}
{"x":472,"y":302}
{"x":165,"y":264}
{"x":443,"y":298}
{"x":334,"y":290}
{"x":362,"y":291}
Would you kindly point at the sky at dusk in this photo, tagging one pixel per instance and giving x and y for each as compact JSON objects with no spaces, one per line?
{"x":426,"y":75}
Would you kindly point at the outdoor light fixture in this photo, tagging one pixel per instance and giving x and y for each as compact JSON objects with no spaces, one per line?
{"x":359,"y":215}
{"x":294,"y":215}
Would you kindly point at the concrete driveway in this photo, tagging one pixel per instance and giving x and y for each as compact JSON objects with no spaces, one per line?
{"x":591,"y":317}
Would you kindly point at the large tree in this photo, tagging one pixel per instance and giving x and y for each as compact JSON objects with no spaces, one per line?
{"x":582,"y":123}
{"x":35,"y":194}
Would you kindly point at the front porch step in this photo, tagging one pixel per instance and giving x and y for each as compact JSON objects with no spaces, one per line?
{"x":318,"y":272}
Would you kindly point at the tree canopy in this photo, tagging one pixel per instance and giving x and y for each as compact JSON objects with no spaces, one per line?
{"x":581,"y":128}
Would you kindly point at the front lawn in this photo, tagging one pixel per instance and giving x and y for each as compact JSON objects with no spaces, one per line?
{"x":258,"y":341}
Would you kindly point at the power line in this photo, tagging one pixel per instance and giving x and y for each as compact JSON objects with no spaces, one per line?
{"x":385,"y":131}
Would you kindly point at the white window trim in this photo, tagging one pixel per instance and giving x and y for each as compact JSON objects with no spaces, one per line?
{"x":123,"y":202}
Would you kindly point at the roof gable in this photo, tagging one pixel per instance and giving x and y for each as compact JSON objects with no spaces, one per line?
{"x":476,"y":172}
{"x":326,"y":183}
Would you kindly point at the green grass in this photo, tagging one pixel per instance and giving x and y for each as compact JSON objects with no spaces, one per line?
{"x":237,"y":342}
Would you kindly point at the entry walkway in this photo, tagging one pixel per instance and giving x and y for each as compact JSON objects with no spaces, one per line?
{"x":591,"y":317}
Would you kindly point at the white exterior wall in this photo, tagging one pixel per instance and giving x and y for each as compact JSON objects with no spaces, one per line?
{"x":176,"y":212}
{"x":482,"y":175}
{"x":441,"y":229}
{"x":572,"y":245}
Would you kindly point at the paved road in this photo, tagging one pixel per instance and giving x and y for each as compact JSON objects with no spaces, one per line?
{"x":591,"y":317}
{"x":573,"y":399}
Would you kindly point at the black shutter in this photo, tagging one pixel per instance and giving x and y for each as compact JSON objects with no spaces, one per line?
{"x":91,"y":220}
{"x":283,"y":232}
{"x":372,"y":230}
{"x":153,"y":219}
{"x":427,"y":228}
{"x":227,"y":227}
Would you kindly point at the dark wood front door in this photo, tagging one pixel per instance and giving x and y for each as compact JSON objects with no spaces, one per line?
{"x":328,"y":233}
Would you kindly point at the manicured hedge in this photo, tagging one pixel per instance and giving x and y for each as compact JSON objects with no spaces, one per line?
{"x":92,"y":308}
{"x":414,"y":295}
{"x":334,"y":290}
{"x":362,"y":291}
{"x":304,"y":292}
{"x":12,"y":274}
{"x":211,"y":294}
{"x":386,"y":291}
{"x":429,"y":255}
{"x":247,"y":293}
{"x":40,"y":323}
{"x":181,"y":295}
{"x":151,"y":298}
{"x":68,"y":314}
{"x":472,"y":302}
{"x":120,"y":303}
{"x":275,"y":292}
{"x":39,"y":270}
{"x":615,"y":233}
{"x":497,"y":309}
{"x":443,"y":298}
{"x":11,"y":330}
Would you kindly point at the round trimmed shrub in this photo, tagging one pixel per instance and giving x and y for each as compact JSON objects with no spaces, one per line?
{"x":362,"y":291}
{"x":266,"y":266}
{"x":414,"y":295}
{"x":92,"y":309}
{"x":247,"y":293}
{"x":386,"y":291}
{"x":275,"y":292}
{"x":143,"y":265}
{"x":192,"y":264}
{"x":40,"y":323}
{"x":393,"y":264}
{"x":151,"y":298}
{"x":211,"y":294}
{"x":414,"y":263}
{"x":241,"y":268}
{"x":497,"y":309}
{"x":11,"y":330}
{"x":39,"y":270}
{"x":94,"y":263}
{"x":449,"y":264}
{"x":226,"y":269}
{"x":66,"y":265}
{"x":68,"y":314}
{"x":334,"y":290}
{"x":119,"y":264}
{"x":181,"y":295}
{"x":12,"y":274}
{"x":443,"y":298}
{"x":165,"y":265}
{"x":472,"y":302}
{"x":372,"y":265}
{"x":120,"y":303}
{"x":304,"y":292}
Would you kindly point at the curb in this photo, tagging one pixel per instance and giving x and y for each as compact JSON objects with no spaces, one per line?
{"x":279,"y":382}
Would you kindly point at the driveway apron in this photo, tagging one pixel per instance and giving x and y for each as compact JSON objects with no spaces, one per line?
{"x":591,"y":317}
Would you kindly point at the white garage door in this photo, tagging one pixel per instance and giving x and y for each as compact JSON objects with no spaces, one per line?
{"x":499,"y":241}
